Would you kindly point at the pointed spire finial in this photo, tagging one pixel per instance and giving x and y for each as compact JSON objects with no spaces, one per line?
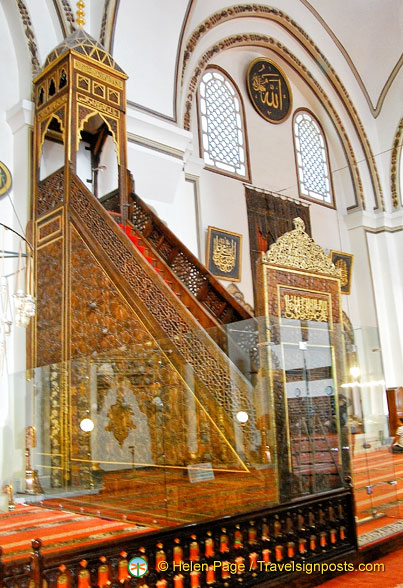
{"x":80,"y":13}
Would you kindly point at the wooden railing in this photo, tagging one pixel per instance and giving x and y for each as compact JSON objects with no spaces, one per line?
{"x":186,"y":266}
{"x":200,"y":291}
{"x":198,"y":280}
{"x":264,"y":546}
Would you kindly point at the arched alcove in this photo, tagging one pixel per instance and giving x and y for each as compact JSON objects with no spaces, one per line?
{"x":52,"y":154}
{"x":97,"y":163}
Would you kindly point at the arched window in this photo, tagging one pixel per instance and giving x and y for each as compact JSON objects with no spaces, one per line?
{"x":222,"y":130}
{"x":312,"y":159}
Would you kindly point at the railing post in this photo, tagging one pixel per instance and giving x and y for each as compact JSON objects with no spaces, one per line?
{"x":36,"y":565}
{"x":1,"y":568}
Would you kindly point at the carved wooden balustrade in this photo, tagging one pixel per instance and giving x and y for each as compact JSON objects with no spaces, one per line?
{"x":201,"y":292}
{"x":259,"y":547}
{"x":198,"y":280}
{"x":219,"y":385}
{"x":186,"y":266}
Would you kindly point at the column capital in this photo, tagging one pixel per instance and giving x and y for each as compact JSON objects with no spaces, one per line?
{"x":20,"y":115}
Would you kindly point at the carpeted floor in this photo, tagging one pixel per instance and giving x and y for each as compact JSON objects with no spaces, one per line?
{"x":390,"y":577}
{"x":167,"y":498}
{"x":59,"y":530}
{"x":378,"y":482}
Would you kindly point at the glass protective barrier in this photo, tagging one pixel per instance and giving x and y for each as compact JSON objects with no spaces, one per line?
{"x":149,"y":435}
{"x":375,"y":469}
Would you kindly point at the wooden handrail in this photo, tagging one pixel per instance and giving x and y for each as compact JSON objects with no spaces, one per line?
{"x":202,"y":284}
{"x":328,"y":532}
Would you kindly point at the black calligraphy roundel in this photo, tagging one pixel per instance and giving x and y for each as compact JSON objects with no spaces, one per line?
{"x":269,"y":90}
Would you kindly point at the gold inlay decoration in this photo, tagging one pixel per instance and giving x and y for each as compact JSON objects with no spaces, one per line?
{"x":304,"y":308}
{"x":98,"y":89}
{"x":80,"y":13}
{"x":83,"y":83}
{"x":92,"y":103}
{"x":120,"y":417}
{"x":342,"y":266}
{"x":51,"y":108}
{"x":224,"y":253}
{"x":113,"y":96}
{"x":96,"y":73}
{"x":297,"y":250}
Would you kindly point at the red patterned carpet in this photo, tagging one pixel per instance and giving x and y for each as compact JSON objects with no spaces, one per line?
{"x":59,"y":530}
{"x":163,"y":499}
{"x":378,"y":483}
{"x":391,"y":576}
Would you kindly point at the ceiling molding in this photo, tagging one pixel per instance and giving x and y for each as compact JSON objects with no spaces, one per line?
{"x":30,"y":35}
{"x":375,"y":110}
{"x":395,"y":167}
{"x":66,"y":16}
{"x":298,"y":33}
{"x":108,"y":24}
{"x":179,"y":55}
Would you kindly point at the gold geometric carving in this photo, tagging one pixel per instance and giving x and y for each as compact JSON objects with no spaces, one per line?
{"x":120,"y":420}
{"x":210,"y":365}
{"x":297,"y":250}
{"x":113,"y":96}
{"x":98,"y":89}
{"x":52,"y":107}
{"x":83,"y":83}
{"x":92,"y":103}
{"x":100,"y":75}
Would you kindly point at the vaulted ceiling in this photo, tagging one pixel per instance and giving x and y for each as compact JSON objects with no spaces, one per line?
{"x":362,"y":40}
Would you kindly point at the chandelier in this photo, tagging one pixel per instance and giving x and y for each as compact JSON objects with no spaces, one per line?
{"x":17,"y":303}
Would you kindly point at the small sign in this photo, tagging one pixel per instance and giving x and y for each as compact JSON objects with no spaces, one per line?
{"x":343,"y":262}
{"x":138,"y":567}
{"x":223,"y":258}
{"x":200,"y":472}
{"x":5,"y":179}
{"x":269,"y":90}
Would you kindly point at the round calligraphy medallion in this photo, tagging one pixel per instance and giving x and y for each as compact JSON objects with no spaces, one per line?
{"x":269,"y":90}
{"x":5,"y":179}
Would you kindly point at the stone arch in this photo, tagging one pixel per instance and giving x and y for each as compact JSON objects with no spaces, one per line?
{"x":258,"y":40}
{"x":395,"y":175}
{"x":298,"y":33}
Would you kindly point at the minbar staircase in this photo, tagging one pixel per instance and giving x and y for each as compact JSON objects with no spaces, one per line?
{"x":174,"y":314}
{"x":202,"y":294}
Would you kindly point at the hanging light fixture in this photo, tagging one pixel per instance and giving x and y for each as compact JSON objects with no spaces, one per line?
{"x":23,"y":299}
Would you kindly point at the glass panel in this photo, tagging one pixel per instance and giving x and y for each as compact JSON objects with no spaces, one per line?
{"x":136,"y":434}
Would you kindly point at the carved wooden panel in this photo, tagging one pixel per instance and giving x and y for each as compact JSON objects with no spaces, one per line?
{"x":50,"y":193}
{"x":269,"y":217}
{"x":50,"y":303}
{"x":106,"y":330}
{"x":100,"y":318}
{"x":193,"y":345}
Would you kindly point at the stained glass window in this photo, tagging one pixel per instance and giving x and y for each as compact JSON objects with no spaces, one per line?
{"x":221,"y":124}
{"x":312,"y":160}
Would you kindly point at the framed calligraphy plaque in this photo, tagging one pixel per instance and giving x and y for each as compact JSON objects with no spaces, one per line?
{"x":269,"y":90}
{"x":5,"y":179}
{"x":223,"y":257}
{"x":343,"y":262}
